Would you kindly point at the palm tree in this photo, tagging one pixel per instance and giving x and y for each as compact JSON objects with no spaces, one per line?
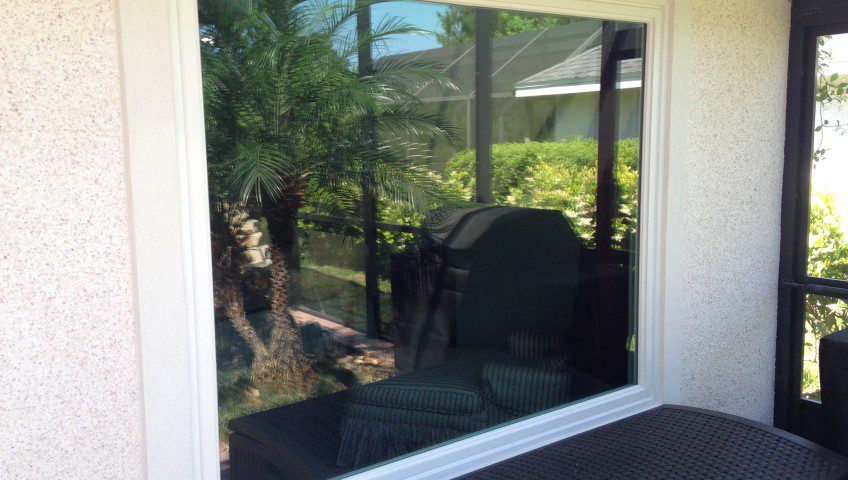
{"x":291,"y":122}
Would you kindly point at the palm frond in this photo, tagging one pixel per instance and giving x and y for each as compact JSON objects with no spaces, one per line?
{"x":288,"y":114}
{"x":409,"y":122}
{"x":258,"y":173}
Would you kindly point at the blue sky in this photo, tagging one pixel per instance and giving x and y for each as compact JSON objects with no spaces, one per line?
{"x":419,"y":14}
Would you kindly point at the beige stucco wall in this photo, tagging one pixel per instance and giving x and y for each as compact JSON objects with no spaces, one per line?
{"x":726,"y":163}
{"x":70,"y":395}
{"x":69,"y":376}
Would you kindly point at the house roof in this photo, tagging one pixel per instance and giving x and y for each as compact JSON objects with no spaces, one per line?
{"x":513,"y":58}
{"x":580,"y":69}
{"x":525,"y":63}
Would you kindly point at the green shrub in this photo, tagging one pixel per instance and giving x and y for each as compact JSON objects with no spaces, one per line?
{"x":559,"y":176}
{"x":828,"y":258}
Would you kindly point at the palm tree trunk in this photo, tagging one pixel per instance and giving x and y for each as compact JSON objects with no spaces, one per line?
{"x":285,"y":348}
{"x":286,"y":344}
{"x":232,"y":301}
{"x":282,"y":354}
{"x":369,"y":196}
{"x":227,"y":254}
{"x":282,"y":229}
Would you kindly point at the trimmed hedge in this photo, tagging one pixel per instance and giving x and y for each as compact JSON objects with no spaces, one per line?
{"x":556,"y":175}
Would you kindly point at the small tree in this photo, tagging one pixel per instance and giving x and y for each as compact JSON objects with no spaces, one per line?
{"x":459,"y":24}
{"x":828,"y":258}
{"x":289,"y":124}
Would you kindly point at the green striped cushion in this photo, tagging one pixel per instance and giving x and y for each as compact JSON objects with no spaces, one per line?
{"x":533,"y":345}
{"x":524,"y":389}
{"x":449,"y":388}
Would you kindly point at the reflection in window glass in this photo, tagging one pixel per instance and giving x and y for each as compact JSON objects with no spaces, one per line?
{"x":453,"y":100}
{"x":423,"y":223}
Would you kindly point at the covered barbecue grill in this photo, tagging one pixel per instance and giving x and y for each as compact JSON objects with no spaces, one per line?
{"x":482,"y":274}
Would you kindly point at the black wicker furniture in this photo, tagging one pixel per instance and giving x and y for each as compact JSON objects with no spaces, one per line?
{"x":833,"y":365}
{"x":668,"y":442}
{"x":294,"y":442}
{"x":672,"y":442}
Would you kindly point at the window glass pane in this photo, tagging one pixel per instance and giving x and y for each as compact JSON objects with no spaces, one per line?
{"x":828,"y":243}
{"x":824,"y":315}
{"x":368,"y":303}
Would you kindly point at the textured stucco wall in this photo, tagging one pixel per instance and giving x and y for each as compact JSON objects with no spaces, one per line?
{"x":70,"y":401}
{"x":69,"y":374}
{"x":729,"y":91}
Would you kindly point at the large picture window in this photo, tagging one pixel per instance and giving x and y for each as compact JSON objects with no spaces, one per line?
{"x":424,"y":223}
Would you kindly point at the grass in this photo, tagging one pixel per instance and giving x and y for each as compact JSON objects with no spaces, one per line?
{"x":811,"y":389}
{"x":810,"y":384}
{"x":340,"y":293}
{"x":347,"y":274}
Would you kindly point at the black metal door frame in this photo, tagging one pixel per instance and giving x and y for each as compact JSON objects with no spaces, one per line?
{"x":810,"y":20}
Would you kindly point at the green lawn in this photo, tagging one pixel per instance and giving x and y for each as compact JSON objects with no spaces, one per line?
{"x":340,"y":293}
{"x":811,"y":386}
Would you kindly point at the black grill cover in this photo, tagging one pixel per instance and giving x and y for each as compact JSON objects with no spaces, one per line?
{"x":500,"y":239}
{"x":496,"y":270}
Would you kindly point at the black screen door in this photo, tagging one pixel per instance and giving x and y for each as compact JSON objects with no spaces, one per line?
{"x":813,"y":289}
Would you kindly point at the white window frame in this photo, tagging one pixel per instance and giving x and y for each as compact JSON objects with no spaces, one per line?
{"x":167,"y":168}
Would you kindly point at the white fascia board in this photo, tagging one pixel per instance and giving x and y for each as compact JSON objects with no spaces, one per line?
{"x":571,"y":89}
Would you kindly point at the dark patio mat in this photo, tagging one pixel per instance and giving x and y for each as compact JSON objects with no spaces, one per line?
{"x":671,"y":442}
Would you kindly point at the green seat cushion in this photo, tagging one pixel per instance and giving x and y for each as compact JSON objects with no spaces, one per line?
{"x":451,"y":388}
{"x":526,"y":389}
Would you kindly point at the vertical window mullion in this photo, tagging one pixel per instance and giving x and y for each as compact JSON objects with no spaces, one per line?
{"x":606,"y":143}
{"x":485,"y":24}
{"x":369,"y":197}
